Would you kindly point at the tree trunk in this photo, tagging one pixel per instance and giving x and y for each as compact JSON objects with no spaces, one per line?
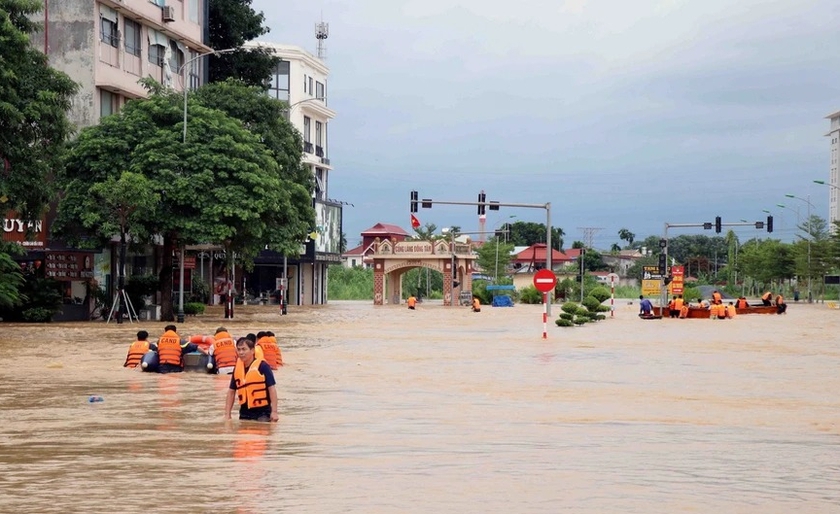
{"x":166,"y":311}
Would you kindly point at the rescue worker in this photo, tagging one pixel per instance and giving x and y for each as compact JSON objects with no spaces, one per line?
{"x":742,"y":303}
{"x":223,"y":351}
{"x":781,"y":306}
{"x":679,"y":303}
{"x":267,"y":350}
{"x":766,"y":297}
{"x":672,"y":307}
{"x":717,"y":299}
{"x":684,"y":311}
{"x":253,"y":385}
{"x":411,"y":302}
{"x":476,"y":304}
{"x":138,"y":349}
{"x":171,"y":350}
{"x":731,"y":311}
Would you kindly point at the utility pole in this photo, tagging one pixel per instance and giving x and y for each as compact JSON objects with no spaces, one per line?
{"x":589,"y":235}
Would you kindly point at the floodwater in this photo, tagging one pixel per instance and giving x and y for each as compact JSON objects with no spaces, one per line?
{"x":435,"y":410}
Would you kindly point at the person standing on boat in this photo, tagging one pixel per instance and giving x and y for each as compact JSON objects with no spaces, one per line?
{"x":766,"y":299}
{"x":138,"y":349}
{"x":223,"y":351}
{"x":171,"y":350}
{"x":645,"y":307}
{"x":781,"y":306}
{"x":253,"y":385}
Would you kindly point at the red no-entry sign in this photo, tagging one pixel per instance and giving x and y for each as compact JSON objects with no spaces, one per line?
{"x":545,"y":280}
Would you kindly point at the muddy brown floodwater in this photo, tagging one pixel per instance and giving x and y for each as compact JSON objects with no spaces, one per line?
{"x":435,"y":410}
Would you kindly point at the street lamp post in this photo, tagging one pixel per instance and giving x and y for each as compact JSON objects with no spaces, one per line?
{"x":810,"y":235}
{"x":182,"y":73}
{"x":496,"y":274}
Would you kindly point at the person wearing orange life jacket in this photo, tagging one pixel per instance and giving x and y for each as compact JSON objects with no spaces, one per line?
{"x":171,"y":350}
{"x":411,"y":302}
{"x":267,"y":349}
{"x":742,"y":303}
{"x":684,"y":311}
{"x":223,"y":351}
{"x":717,"y":299}
{"x":781,"y":306}
{"x":138,"y":349}
{"x":731,"y":311}
{"x":476,"y":304}
{"x":766,"y":297}
{"x":253,"y":385}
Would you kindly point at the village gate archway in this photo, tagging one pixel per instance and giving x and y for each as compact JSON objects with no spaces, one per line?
{"x":391,"y":259}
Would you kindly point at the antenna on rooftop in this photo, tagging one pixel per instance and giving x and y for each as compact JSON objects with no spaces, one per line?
{"x":322,"y":32}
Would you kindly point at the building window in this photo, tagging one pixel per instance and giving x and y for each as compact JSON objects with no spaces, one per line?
{"x":177,"y":56}
{"x":195,"y":70}
{"x":278,"y":86}
{"x":159,"y":3}
{"x":318,"y":126}
{"x":307,"y":122}
{"x":107,"y":103}
{"x":305,"y":81}
{"x":133,"y":45}
{"x":320,"y":90}
{"x":156,"y":54}
{"x":108,"y":31}
{"x":310,"y":86}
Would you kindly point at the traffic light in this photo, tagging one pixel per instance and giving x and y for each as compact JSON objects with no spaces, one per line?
{"x":494,"y":206}
{"x":769,"y":223}
{"x":718,"y":224}
{"x":481,"y":207}
{"x":413,"y":202}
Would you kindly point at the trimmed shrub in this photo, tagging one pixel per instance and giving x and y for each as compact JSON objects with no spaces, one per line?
{"x":37,"y":315}
{"x":529,"y":294}
{"x":581,"y":311}
{"x":563,"y":323}
{"x":591,"y":303}
{"x":570,"y":307}
{"x":193,"y":308}
{"x":603,"y":308}
{"x":567,"y":316}
{"x":580,"y":320}
{"x":601,"y":293}
{"x":600,"y":317}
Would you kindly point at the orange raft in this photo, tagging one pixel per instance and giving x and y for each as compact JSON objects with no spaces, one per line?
{"x":703,"y":313}
{"x":204,"y":342}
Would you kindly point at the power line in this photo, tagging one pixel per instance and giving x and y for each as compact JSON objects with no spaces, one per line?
{"x":589,"y":234}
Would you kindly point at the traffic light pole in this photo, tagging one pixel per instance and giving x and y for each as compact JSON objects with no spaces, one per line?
{"x":427,"y":203}
{"x":663,"y":295}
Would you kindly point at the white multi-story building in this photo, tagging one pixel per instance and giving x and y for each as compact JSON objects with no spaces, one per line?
{"x":301,"y":80}
{"x":833,"y":176}
{"x":108,"y":45}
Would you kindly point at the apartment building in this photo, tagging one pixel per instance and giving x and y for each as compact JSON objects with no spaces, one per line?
{"x":108,"y":45}
{"x":833,"y":174}
{"x":301,"y":80}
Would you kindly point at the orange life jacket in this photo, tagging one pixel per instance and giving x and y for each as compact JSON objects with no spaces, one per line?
{"x":684,"y":311}
{"x":717,"y":298}
{"x":250,"y":385}
{"x":270,"y":352}
{"x":476,"y":304}
{"x":224,"y":350}
{"x":169,"y":349}
{"x":135,"y":353}
{"x":741,"y":304}
{"x":731,"y":311}
{"x":672,"y":305}
{"x":780,"y":300}
{"x":678,"y":304}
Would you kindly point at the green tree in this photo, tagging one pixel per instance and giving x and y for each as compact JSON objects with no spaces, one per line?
{"x":11,"y":278}
{"x":494,"y":257}
{"x":34,"y":100}
{"x":232,"y":23}
{"x":425,"y":233}
{"x":525,"y":233}
{"x":223,"y":186}
{"x":626,"y":235}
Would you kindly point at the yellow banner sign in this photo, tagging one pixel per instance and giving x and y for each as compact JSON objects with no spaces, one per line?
{"x":650,"y":287}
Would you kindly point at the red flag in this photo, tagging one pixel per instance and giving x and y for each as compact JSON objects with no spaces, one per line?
{"x":415,"y":223}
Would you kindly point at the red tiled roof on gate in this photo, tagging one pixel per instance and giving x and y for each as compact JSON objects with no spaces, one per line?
{"x":385,"y":229}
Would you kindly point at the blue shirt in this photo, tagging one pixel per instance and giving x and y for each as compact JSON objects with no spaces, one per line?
{"x":645,"y":306}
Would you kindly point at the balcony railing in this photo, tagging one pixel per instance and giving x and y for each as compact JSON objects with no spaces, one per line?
{"x":307,"y":147}
{"x":325,"y":161}
{"x":319,"y":151}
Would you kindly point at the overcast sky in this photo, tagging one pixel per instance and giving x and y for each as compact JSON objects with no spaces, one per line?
{"x":622,"y":114}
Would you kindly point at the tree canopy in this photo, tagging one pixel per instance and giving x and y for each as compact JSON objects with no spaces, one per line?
{"x":233,"y":23}
{"x":34,"y":100}
{"x":223,"y":186}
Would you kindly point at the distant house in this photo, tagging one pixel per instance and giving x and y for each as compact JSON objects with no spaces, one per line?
{"x":532,"y":258}
{"x":356,"y":256}
{"x":622,"y":261}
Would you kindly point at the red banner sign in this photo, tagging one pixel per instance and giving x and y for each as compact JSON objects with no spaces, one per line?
{"x":69,"y":265}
